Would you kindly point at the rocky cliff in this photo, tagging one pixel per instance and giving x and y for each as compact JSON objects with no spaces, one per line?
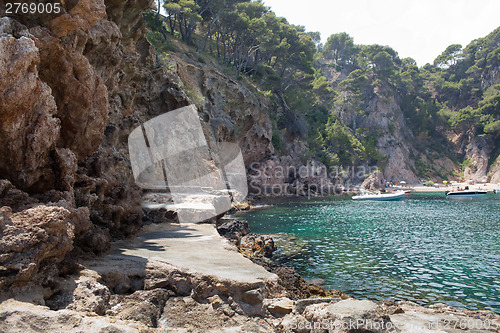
{"x":483,"y":151}
{"x":374,"y":108}
{"x":72,"y":90}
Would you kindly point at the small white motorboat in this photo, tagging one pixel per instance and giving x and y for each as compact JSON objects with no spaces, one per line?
{"x":370,"y":196}
{"x":466,"y":194}
{"x":496,"y":191}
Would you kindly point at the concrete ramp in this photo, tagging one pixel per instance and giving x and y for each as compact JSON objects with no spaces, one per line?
{"x":193,"y":248}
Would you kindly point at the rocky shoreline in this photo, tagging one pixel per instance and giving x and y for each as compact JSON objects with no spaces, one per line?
{"x":124,"y":294}
{"x":67,"y":191}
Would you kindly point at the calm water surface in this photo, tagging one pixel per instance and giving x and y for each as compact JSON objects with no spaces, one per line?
{"x":425,"y":248}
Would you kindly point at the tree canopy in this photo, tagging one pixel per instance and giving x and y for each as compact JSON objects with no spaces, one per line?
{"x":460,"y":91}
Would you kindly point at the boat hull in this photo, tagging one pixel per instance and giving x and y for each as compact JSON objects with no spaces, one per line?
{"x":466,"y":194}
{"x":380,"y":197}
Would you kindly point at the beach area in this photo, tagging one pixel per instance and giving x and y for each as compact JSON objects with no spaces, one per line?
{"x":443,"y":188}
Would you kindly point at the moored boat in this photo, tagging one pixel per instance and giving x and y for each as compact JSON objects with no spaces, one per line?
{"x":369,"y":196}
{"x":466,"y":193}
{"x":496,"y":191}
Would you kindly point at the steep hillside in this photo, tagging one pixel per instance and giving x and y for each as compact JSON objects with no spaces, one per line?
{"x":72,"y":90}
{"x":440,"y":121}
{"x":467,"y":81}
{"x":353,"y":106}
{"x":371,"y":109}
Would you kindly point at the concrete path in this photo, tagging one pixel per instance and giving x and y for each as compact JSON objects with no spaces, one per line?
{"x":193,"y":248}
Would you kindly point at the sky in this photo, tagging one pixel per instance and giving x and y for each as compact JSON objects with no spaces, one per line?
{"x":420,"y":29}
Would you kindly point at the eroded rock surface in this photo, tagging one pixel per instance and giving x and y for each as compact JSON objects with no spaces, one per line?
{"x":29,"y":127}
{"x":33,"y":242}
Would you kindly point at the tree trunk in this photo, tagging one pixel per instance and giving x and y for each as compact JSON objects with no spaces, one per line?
{"x":159,"y":23}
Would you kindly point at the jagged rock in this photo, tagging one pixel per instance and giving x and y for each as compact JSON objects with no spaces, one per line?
{"x":233,"y":229}
{"x":216,"y":301}
{"x":28,"y":126}
{"x":373,"y":182}
{"x":71,"y":83}
{"x":90,"y":296}
{"x":494,"y":172}
{"x":280,"y":306}
{"x":302,"y":304}
{"x":390,"y":307}
{"x":478,"y":151}
{"x":82,"y":16}
{"x":414,"y":317}
{"x":143,"y":306}
{"x":66,"y":162}
{"x":253,"y":245}
{"x":295,"y":323}
{"x":161,"y":215}
{"x":24,"y":317}
{"x":16,"y":199}
{"x":75,"y":86}
{"x":295,"y":285}
{"x":184,"y":314}
{"x":253,"y":297}
{"x":350,"y":315}
{"x":32,"y":243}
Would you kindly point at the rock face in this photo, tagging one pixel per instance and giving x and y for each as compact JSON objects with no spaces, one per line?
{"x":395,"y":142}
{"x":29,"y":127}
{"x":478,"y":152}
{"x":377,"y":110}
{"x":494,"y":172}
{"x":480,"y":162}
{"x":231,"y":111}
{"x":33,"y":242}
{"x":383,"y":117}
{"x":74,"y":88}
{"x":285,"y":175}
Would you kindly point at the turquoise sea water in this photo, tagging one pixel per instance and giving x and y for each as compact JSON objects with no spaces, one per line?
{"x":426,"y":248}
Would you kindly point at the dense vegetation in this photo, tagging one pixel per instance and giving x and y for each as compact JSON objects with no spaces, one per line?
{"x":455,"y":93}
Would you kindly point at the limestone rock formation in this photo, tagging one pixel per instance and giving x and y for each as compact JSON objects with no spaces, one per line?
{"x":494,"y":173}
{"x":284,"y":175}
{"x":231,"y":111}
{"x":477,"y":151}
{"x":72,"y":88}
{"x":29,"y":128}
{"x":33,"y":242}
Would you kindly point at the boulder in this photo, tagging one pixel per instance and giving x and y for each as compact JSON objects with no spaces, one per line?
{"x":280,"y":306}
{"x":143,"y":306}
{"x":233,"y":229}
{"x":252,"y":297}
{"x":253,"y":245}
{"x":90,"y":296}
{"x":32,"y":243}
{"x":352,"y":307}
